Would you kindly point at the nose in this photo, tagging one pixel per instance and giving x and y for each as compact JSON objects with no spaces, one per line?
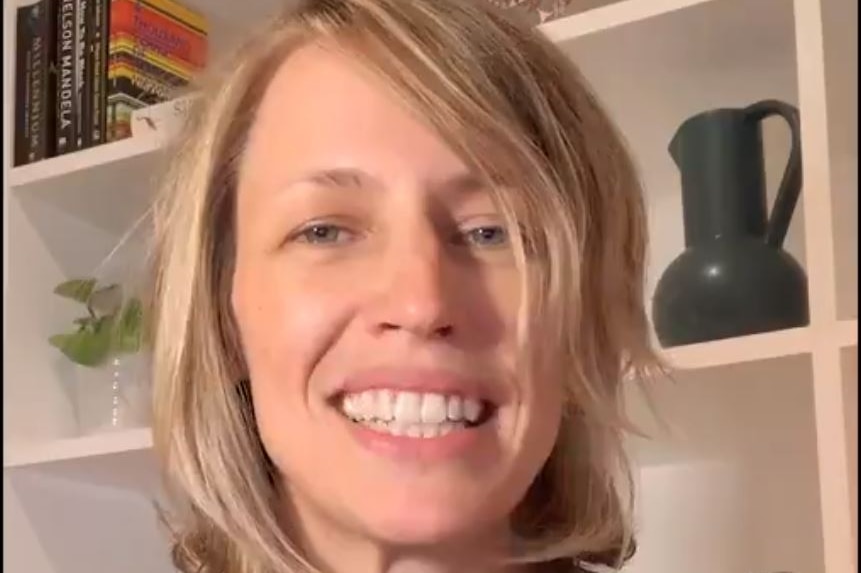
{"x":414,"y":295}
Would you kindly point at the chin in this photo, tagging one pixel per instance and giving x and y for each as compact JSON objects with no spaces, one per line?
{"x":415,"y":514}
{"x":424,"y":525}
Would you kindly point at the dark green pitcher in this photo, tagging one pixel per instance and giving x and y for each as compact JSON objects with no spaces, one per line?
{"x":733,"y":278}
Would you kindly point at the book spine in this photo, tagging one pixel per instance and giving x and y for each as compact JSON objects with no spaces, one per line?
{"x":25,"y":37}
{"x":99,"y":69}
{"x":189,"y":18}
{"x":48,"y":88}
{"x":83,"y":85}
{"x":66,"y":69}
{"x":112,"y":121}
{"x":157,"y":32}
{"x":34,"y":117}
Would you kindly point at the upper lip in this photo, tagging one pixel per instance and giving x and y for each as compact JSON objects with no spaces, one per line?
{"x":425,"y":380}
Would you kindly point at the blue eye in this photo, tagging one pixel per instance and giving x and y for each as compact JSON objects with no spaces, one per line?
{"x":323,"y":234}
{"x":487,"y":236}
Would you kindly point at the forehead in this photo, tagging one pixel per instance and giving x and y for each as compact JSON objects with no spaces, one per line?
{"x":323,"y":109}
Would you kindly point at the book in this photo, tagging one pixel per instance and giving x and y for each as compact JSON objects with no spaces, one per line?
{"x":83,"y":86}
{"x":155,"y":48}
{"x":66,"y":92}
{"x":34,"y":82}
{"x":163,"y":120}
{"x":98,"y":54}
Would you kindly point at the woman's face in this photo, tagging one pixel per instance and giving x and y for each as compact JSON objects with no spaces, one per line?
{"x":376,"y":294}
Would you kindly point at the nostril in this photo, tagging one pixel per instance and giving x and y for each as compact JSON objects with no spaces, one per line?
{"x":444,"y":331}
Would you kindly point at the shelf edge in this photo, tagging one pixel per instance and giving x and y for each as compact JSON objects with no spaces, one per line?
{"x":762,"y":346}
{"x":23,"y":454}
{"x":94,"y":157}
{"x":612,"y":16}
{"x":846,"y":332}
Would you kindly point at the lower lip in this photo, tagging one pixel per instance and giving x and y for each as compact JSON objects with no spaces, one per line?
{"x":458,"y":443}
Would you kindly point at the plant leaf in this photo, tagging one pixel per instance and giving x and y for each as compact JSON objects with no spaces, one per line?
{"x":129,"y":327}
{"x":86,"y":348}
{"x":106,"y":300}
{"x":76,"y":289}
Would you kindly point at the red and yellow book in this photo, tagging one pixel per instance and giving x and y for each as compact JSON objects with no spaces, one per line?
{"x":155,"y":48}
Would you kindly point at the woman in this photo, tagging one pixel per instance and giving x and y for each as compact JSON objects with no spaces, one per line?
{"x":400,"y":279}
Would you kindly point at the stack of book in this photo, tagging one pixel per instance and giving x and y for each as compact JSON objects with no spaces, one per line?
{"x":83,"y":67}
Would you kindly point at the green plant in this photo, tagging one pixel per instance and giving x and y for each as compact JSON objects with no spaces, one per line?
{"x":113,"y":325}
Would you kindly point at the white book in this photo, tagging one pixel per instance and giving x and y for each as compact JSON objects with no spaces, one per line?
{"x":164,"y":119}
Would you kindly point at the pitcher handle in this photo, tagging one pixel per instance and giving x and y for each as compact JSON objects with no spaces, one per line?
{"x":790,"y":184}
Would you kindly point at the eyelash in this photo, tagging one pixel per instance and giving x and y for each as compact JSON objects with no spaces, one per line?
{"x":462,"y":238}
{"x":477,"y":231}
{"x":306,"y":234}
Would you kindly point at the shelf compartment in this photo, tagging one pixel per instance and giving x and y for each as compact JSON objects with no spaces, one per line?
{"x":840,"y":35}
{"x":109,"y":186}
{"x":768,"y":504}
{"x":78,"y":526}
{"x":709,"y":55}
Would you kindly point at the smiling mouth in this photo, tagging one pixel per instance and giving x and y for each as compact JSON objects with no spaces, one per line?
{"x":414,"y":414}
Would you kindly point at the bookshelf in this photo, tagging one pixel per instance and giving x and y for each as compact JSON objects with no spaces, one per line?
{"x":755,"y":469}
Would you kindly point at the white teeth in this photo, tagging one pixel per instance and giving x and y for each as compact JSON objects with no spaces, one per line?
{"x":430,"y":430}
{"x":455,"y":408}
{"x":414,"y":430}
{"x":395,"y":429}
{"x":434,"y":409}
{"x":385,"y":405}
{"x":471,"y":409}
{"x":410,"y":408}
{"x":366,"y":405}
{"x":350,"y":406}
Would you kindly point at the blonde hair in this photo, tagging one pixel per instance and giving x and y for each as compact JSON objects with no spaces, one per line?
{"x":518,"y":112}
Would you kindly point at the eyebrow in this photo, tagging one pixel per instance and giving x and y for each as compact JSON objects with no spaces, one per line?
{"x":351,"y":178}
{"x":343,"y":177}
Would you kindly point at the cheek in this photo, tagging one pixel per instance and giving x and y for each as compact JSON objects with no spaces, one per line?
{"x":287,"y":324}
{"x":285,"y":328}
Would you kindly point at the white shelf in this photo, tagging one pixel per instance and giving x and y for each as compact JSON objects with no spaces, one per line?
{"x":26,"y":177}
{"x":846,"y":333}
{"x":612,"y":16}
{"x":24,"y":454}
{"x":110,"y":186}
{"x":741,"y":349}
{"x":763,"y":346}
{"x":122,"y":460}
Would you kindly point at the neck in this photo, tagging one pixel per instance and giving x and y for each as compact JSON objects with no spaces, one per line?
{"x":337,"y":549}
